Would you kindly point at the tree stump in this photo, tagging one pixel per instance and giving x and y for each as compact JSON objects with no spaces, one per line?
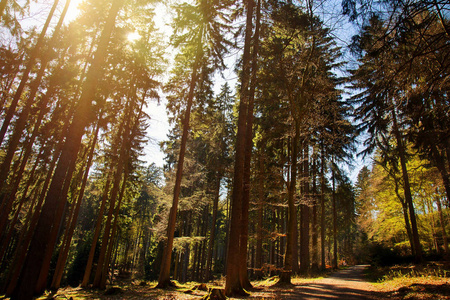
{"x":216,"y":294}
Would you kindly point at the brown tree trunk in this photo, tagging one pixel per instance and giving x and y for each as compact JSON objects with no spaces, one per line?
{"x":260,"y":219}
{"x":64,"y":252}
{"x":19,"y":173}
{"x":26,"y":234}
{"x":333,"y":202}
{"x":212,"y":234}
{"x":443,"y":223}
{"x":90,"y":261}
{"x":305,"y":259}
{"x":243,"y":272}
{"x":440,"y":165}
{"x":407,"y":188}
{"x":233,"y":285}
{"x":315,"y":236}
{"x":405,"y":214}
{"x":105,"y":266}
{"x":107,"y":232}
{"x":322,"y":210}
{"x":290,"y":257}
{"x":164,"y":275}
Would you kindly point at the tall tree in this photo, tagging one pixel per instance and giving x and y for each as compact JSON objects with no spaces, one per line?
{"x":199,"y":32}
{"x":233,"y":284}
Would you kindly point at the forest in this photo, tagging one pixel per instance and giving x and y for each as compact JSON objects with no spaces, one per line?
{"x":304,"y":136}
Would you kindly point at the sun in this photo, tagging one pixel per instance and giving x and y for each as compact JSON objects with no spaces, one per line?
{"x":73,"y":10}
{"x":133,"y":36}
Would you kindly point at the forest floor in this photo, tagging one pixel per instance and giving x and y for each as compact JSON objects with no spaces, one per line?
{"x":350,"y":283}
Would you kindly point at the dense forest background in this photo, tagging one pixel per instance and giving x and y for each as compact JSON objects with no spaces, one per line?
{"x":256,"y":176}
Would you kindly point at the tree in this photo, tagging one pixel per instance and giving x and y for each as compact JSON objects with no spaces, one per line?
{"x":204,"y":48}
{"x":377,"y":109}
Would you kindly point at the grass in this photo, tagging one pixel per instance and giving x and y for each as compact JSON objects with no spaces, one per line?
{"x":428,"y":281}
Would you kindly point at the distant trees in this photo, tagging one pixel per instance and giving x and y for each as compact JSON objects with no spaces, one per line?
{"x":393,"y":49}
{"x":383,"y":216}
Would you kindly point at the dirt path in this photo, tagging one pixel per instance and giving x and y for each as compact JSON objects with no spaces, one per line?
{"x":346,"y":284}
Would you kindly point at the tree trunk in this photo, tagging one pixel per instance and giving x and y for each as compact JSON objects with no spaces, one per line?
{"x":90,"y":261}
{"x":314,"y":234}
{"x":233,"y":285}
{"x":440,"y":164}
{"x":107,"y":232}
{"x":407,"y":188}
{"x":443,"y":223}
{"x":212,"y":234}
{"x":333,"y":200}
{"x":110,"y":245}
{"x":322,"y":210}
{"x":305,"y":259}
{"x":290,"y":257}
{"x":243,"y":272}
{"x":19,"y":173}
{"x":260,"y":219}
{"x":12,"y":224}
{"x":405,"y":215}
{"x":27,"y":231}
{"x":164,"y":275}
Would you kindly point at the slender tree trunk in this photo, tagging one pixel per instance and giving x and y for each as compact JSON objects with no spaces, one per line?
{"x":290,"y":256}
{"x":322,"y":210}
{"x":107,"y":232}
{"x":105,"y":266}
{"x":405,"y":215}
{"x":12,"y":224}
{"x":90,"y":261}
{"x":315,"y":236}
{"x":212,"y":234}
{"x":443,"y":223}
{"x":19,"y":173}
{"x":164,"y":275}
{"x":27,"y":231}
{"x":305,"y":259}
{"x":260,"y":219}
{"x":407,"y":188}
{"x":333,"y":199}
{"x":428,"y":203}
